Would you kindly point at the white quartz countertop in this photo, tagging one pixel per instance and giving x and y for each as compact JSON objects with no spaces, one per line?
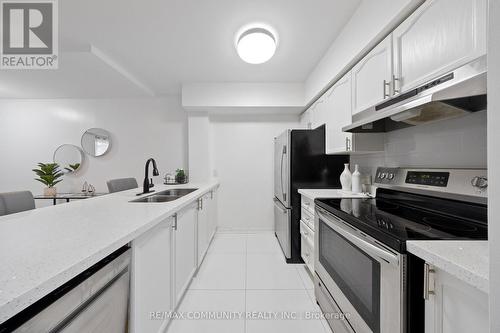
{"x":44,"y":248}
{"x":331,"y":193}
{"x":466,"y":260}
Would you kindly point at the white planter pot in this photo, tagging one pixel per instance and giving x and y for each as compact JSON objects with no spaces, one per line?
{"x":49,"y":191}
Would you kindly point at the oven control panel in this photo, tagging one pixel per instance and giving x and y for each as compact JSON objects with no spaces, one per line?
{"x":427,"y":178}
{"x":397,"y":176}
{"x":451,"y":183}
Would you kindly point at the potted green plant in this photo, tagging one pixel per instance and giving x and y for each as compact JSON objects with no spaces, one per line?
{"x":180,"y":176}
{"x":49,"y":175}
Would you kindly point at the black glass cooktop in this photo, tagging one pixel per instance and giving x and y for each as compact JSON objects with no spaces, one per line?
{"x":395,"y":217}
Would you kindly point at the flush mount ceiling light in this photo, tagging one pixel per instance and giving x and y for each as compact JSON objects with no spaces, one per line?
{"x":256,"y":44}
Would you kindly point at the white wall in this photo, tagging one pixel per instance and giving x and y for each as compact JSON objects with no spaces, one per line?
{"x":199,"y":157}
{"x":494,"y":161}
{"x":140,"y":128}
{"x":243,"y":161}
{"x":245,"y":95}
{"x":371,"y":21}
{"x":456,"y":143}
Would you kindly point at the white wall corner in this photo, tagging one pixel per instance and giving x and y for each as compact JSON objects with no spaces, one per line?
{"x":494,"y":161}
{"x":108,"y":60}
{"x":199,"y":159}
{"x":250,"y":97}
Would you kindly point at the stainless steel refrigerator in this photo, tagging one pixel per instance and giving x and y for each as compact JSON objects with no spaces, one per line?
{"x":300,"y":162}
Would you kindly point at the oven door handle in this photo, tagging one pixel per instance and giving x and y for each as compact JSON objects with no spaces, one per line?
{"x":363,"y":244}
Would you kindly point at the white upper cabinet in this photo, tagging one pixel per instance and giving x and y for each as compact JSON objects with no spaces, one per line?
{"x":333,"y":109}
{"x":337,"y":114}
{"x":371,"y":77}
{"x":438,"y":37}
{"x":306,"y":120}
{"x":319,"y":115}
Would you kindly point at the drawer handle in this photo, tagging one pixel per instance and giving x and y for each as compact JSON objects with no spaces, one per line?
{"x":428,"y":281}
{"x":388,"y":85}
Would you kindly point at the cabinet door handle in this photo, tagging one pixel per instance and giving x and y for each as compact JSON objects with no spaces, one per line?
{"x":174,"y":225}
{"x":394,"y":90}
{"x":428,"y":281}
{"x":348,"y":144}
{"x":388,"y":85}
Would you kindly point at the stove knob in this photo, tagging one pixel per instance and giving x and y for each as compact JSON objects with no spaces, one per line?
{"x":391,"y":176}
{"x":383,"y":175}
{"x":480,"y":183}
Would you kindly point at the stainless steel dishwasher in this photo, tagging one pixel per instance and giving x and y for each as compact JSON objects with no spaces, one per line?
{"x":93,"y":302}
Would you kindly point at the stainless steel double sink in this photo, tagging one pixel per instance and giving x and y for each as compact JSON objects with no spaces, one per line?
{"x":167,"y":195}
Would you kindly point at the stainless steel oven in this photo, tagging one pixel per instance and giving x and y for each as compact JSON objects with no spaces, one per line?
{"x":359,"y":277}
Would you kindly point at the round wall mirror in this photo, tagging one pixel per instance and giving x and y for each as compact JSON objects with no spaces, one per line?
{"x":69,"y":158}
{"x":96,"y":142}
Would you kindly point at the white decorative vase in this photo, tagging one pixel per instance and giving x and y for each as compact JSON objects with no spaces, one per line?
{"x":49,"y":191}
{"x":356,"y":180}
{"x":346,"y":178}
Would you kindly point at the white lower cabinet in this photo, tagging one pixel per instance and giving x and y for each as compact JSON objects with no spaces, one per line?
{"x":307,"y":246}
{"x":454,"y":306}
{"x":151,"y":280}
{"x":307,"y":232}
{"x":202,"y":230}
{"x":185,"y":244}
{"x":207,"y":223}
{"x":164,"y":261}
{"x":211,"y":206}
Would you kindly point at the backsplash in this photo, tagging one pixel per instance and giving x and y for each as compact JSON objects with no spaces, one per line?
{"x":456,"y":143}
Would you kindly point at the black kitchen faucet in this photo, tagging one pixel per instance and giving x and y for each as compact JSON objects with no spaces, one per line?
{"x":148,"y":183}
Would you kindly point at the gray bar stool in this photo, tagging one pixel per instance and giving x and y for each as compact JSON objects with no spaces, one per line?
{"x":15,"y":202}
{"x":121,"y":184}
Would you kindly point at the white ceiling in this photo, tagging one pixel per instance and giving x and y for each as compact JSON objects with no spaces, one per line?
{"x":165,"y":43}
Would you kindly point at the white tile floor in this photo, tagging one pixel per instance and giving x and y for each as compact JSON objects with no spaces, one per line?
{"x":245,"y":274}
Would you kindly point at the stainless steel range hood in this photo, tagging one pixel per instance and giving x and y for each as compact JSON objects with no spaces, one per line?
{"x":452,"y":95}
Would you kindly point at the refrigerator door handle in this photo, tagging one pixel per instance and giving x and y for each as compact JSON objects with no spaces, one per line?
{"x":283,"y":210}
{"x":283,"y":152}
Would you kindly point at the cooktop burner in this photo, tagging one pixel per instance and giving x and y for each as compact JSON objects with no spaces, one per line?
{"x":395,"y":217}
